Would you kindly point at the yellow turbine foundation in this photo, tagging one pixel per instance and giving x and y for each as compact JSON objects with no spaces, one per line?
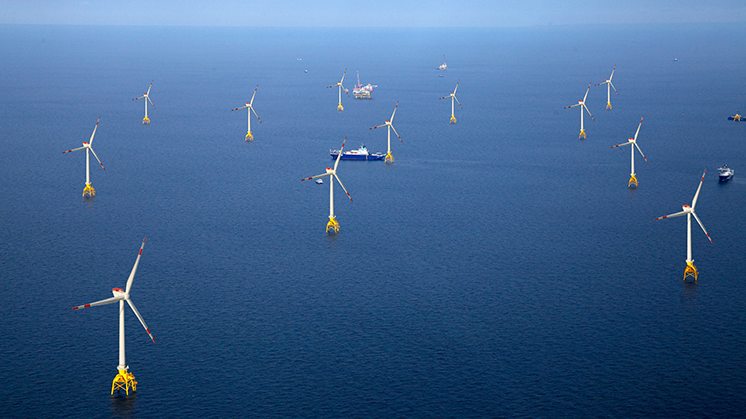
{"x":88,"y":190}
{"x":453,"y":119}
{"x":332,"y":225}
{"x":632,"y":182}
{"x":608,"y":106}
{"x":249,"y":137}
{"x":340,"y":108}
{"x":690,"y":271}
{"x":146,"y":121}
{"x":737,"y":118}
{"x":582,"y":134}
{"x":124,"y":381}
{"x":389,"y":158}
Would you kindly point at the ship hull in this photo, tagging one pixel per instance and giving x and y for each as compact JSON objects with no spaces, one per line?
{"x":345,"y":156}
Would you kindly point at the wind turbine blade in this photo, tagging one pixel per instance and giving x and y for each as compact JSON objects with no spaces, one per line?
{"x":571,"y":106}
{"x":444,"y":97}
{"x":74,"y":149}
{"x":589,"y":112}
{"x":317,"y":176}
{"x":643,"y":155}
{"x":100,"y":303}
{"x":343,"y":77}
{"x":394,"y":113}
{"x":379,"y":126}
{"x":257,"y":116}
{"x":676,"y":214}
{"x":94,"y":131}
{"x":459,"y":103}
{"x":454,"y":90}
{"x":99,"y":161}
{"x":397,"y":134}
{"x":151,"y":102}
{"x":696,"y":195}
{"x":340,"y":154}
{"x":612,"y":86}
{"x":619,"y":145}
{"x":586,"y":93}
{"x":252,"y":96}
{"x":134,"y":269}
{"x":701,"y":225}
{"x":238,"y":109}
{"x":139,"y":317}
{"x":638,"y":128}
{"x":343,"y":186}
{"x":334,"y":85}
{"x":612,"y":73}
{"x":139,"y":97}
{"x":151,"y":85}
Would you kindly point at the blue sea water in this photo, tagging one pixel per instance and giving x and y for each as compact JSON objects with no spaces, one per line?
{"x":499,"y":268}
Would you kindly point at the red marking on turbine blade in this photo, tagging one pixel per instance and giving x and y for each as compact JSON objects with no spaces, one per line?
{"x":86,"y":306}
{"x":140,"y":253}
{"x":75,"y":308}
{"x":308,"y":178}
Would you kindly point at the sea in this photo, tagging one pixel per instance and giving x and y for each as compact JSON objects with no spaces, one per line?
{"x":499,"y":268}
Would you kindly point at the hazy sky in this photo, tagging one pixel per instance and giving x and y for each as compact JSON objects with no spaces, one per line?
{"x":368,"y":13}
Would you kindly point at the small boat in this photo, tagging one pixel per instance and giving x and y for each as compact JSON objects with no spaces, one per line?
{"x":320,"y":181}
{"x":361,"y":153}
{"x":726,"y":173}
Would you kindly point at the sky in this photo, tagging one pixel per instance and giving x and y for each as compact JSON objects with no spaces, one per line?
{"x":368,"y":13}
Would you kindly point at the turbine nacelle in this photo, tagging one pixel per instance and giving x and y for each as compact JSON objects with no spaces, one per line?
{"x":329,"y":169}
{"x":118,"y":292}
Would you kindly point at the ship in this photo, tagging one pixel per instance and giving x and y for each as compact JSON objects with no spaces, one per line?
{"x":362,"y":92}
{"x":726,"y":173}
{"x":361,"y":153}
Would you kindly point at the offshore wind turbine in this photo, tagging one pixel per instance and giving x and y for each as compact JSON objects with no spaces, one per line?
{"x":633,"y":143}
{"x":124,"y":380}
{"x":453,"y":96}
{"x":691,"y":270}
{"x":146,"y":96}
{"x":249,"y":105}
{"x":609,"y":86}
{"x":332,"y":173}
{"x":340,"y":108}
{"x":581,"y":103}
{"x":389,"y":158}
{"x":87,"y":146}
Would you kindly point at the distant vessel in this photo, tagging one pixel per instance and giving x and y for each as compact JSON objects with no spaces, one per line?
{"x":320,"y":181}
{"x":726,"y":173}
{"x":362,"y":92}
{"x":676,"y":59}
{"x":737,"y":117}
{"x":444,"y":65}
{"x":361,"y":153}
